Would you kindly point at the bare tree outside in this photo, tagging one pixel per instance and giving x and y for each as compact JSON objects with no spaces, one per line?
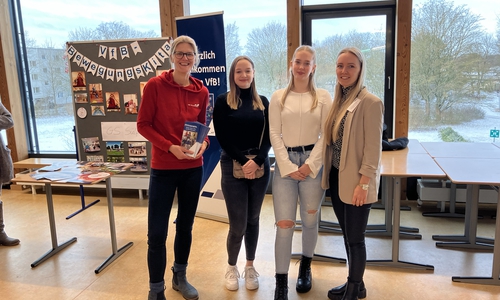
{"x":444,"y":39}
{"x":109,"y":31}
{"x":371,"y":44}
{"x":266,"y":46}
{"x":232,"y":44}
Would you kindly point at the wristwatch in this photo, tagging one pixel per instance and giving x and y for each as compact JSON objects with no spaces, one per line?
{"x":364,"y":186}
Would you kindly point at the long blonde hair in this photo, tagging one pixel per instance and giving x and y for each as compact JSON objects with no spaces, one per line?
{"x":311,"y":84}
{"x":233,"y":97}
{"x":339,"y":108}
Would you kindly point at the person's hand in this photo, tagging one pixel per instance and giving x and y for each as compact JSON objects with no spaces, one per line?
{"x":250,"y":168}
{"x":180,"y":152}
{"x":305,"y":170}
{"x":359,"y":196}
{"x":204,"y":146}
{"x":297,"y":176}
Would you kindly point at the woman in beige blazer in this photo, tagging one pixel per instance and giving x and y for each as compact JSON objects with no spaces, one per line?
{"x":352,"y":150}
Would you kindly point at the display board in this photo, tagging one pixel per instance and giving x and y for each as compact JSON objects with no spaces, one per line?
{"x":107,"y":79}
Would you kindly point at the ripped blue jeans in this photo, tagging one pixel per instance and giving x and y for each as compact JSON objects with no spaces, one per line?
{"x":287,"y":193}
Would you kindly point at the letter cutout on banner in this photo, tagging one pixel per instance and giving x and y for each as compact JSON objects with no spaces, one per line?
{"x":166,"y":47}
{"x":135,"y":47}
{"x":161,"y":55}
{"x":70,"y":51}
{"x":92,"y":68}
{"x":154,"y":62}
{"x":147,"y":67}
{"x":138,"y":71}
{"x":85,"y":63}
{"x":103,"y":50}
{"x":101,"y":71}
{"x":78,"y":59}
{"x":112,"y":53}
{"x":124,"y":52}
{"x":129,"y":72}
{"x":120,"y":75}
{"x":110,"y":74}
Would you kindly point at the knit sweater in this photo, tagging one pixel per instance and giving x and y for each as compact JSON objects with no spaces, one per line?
{"x":241,"y":129}
{"x":165,"y":107}
{"x":297,"y":125}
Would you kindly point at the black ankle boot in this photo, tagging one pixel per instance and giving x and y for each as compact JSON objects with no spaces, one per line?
{"x":336,"y":293}
{"x":305,"y":279}
{"x":351,"y":291}
{"x":281,"y":291}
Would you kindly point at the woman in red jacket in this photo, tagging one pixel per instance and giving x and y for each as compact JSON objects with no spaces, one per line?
{"x":168,"y":101}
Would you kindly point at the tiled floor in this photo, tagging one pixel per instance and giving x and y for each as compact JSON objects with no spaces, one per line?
{"x":70,"y":274}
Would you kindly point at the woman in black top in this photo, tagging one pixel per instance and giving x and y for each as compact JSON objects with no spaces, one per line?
{"x":242,"y":128}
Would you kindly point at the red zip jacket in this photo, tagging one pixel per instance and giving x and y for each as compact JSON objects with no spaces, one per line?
{"x":165,"y":107}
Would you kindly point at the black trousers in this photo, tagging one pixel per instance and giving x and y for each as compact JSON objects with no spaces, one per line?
{"x":352,"y":220}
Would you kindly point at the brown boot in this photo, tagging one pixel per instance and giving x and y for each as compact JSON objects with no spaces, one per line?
{"x":5,"y":240}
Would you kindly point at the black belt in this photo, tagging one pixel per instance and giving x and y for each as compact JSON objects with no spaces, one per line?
{"x":300,"y":148}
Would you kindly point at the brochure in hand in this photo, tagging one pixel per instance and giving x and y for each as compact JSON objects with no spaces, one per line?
{"x":193,"y":135}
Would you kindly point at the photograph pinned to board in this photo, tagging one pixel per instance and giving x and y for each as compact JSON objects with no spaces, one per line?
{"x":78,"y":80}
{"x":91,"y":144}
{"x":114,"y":149}
{"x":140,"y":164}
{"x":95,"y":158}
{"x":97,"y":110}
{"x":95,"y":90}
{"x":113,"y":101}
{"x":137,"y":149}
{"x":130,"y":104}
{"x":115,"y":159}
{"x":81,"y":98}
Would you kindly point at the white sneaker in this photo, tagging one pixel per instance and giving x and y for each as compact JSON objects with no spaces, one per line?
{"x":232,"y":276}
{"x":251,"y":278}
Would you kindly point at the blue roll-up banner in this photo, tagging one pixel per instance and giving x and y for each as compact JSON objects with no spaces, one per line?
{"x":208,"y":32}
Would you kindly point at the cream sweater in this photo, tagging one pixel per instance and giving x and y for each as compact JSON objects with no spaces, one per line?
{"x":296,"y":125}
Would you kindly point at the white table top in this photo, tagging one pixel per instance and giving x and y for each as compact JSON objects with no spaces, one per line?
{"x":471,"y":170}
{"x":403,"y":164}
{"x":458,"y":149}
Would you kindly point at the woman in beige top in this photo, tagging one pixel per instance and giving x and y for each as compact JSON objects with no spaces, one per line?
{"x":352,"y":150}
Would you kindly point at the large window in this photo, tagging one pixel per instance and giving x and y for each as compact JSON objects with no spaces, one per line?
{"x":455,"y":58}
{"x":257,"y":29}
{"x":368,"y":26}
{"x":42,"y":29}
{"x":455,"y":69}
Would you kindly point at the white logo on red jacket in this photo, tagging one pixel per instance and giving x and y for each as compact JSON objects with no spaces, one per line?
{"x":194,"y":105}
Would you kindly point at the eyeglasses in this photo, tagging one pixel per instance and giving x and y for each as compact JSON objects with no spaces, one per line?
{"x":179,"y":55}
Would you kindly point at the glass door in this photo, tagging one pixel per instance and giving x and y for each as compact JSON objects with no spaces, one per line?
{"x":367,"y":26}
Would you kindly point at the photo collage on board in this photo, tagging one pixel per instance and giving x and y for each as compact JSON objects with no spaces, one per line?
{"x":101,"y":100}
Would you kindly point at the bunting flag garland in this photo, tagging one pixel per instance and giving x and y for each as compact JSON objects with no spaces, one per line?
{"x":112,"y":53}
{"x":103,"y":50}
{"x":126,"y":74}
{"x":124,"y":52}
{"x":135,"y":47}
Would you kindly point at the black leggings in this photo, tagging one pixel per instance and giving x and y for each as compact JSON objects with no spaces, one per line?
{"x":352,"y":220}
